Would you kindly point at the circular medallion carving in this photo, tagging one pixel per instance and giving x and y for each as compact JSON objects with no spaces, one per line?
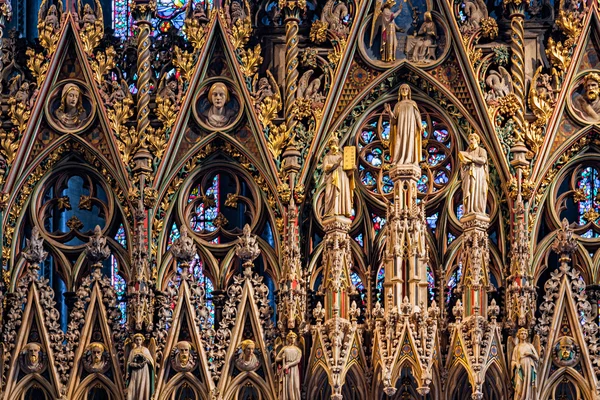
{"x":584,"y":100}
{"x":32,"y":359}
{"x":566,"y":352}
{"x":217,"y":106}
{"x":70,"y":107}
{"x":95,"y":358}
{"x":183,"y":357}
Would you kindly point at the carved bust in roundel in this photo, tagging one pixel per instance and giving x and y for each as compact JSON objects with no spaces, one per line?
{"x":566,"y":352}
{"x":71,"y":113}
{"x":32,"y":359}
{"x":95,"y":358}
{"x":183,"y":358}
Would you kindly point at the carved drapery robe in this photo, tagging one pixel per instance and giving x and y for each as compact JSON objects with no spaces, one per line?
{"x":474,"y":180}
{"x":524,"y":370}
{"x":338,"y":186}
{"x":405,"y":134}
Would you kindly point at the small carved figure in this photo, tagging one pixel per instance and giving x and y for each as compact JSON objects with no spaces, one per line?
{"x":335,"y":16}
{"x":234,"y":12}
{"x":524,"y":366}
{"x":117,"y":94}
{"x":88,"y":18}
{"x":566,"y":352}
{"x":474,"y":176}
{"x":424,"y":46}
{"x":475,"y":10}
{"x":587,"y":104}
{"x":140,"y":371}
{"x":339,"y":184}
{"x":247,"y":360}
{"x":200,"y":12}
{"x":309,"y":89}
{"x":500,"y":84}
{"x":182,"y":357}
{"x":169,"y":91}
{"x":95,"y":358}
{"x":71,"y":112}
{"x":52,"y":20}
{"x":263,"y":91}
{"x":288,"y":371}
{"x":384,"y":18}
{"x":32,"y":360}
{"x":218,"y":115}
{"x":406,"y":129}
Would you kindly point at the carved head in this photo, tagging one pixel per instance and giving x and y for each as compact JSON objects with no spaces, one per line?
{"x":32,"y":358}
{"x":218,"y":95}
{"x":404,"y":91}
{"x":71,"y":100}
{"x":334,"y":145}
{"x":591,"y":86}
{"x":474,"y":140}
{"x":172,"y":85}
{"x":248,"y":347}
{"x":566,"y":347}
{"x":33,"y":351}
{"x":263,"y":83}
{"x":96,"y":351}
{"x":291,"y":338}
{"x":389,"y":4}
{"x":52,"y":10}
{"x":87,"y":9}
{"x":138,"y":339}
{"x":523,"y":334}
{"x":184,"y":349}
{"x":427,"y":16}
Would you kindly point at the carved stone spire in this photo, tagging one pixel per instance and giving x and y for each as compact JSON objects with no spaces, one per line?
{"x":140,"y":293}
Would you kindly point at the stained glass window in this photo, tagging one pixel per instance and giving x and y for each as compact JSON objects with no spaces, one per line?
{"x":378,"y":223}
{"x":459,"y":211}
{"x":358,"y":284}
{"x":379,"y":284}
{"x":453,"y":282}
{"x":208,"y":209}
{"x":432,"y":221}
{"x":430,"y":283}
{"x":359,"y":239}
{"x":173,"y":236}
{"x":451,"y":238}
{"x":587,"y":192}
{"x":117,"y":280}
{"x":122,"y":19}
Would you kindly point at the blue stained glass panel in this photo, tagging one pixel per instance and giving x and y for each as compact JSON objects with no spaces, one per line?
{"x":588,"y":183}
{"x":453,"y":282}
{"x":359,"y":239}
{"x":116,"y":280}
{"x":432,"y":220}
{"x":378,"y":223}
{"x":202,"y":219}
{"x":451,"y":238}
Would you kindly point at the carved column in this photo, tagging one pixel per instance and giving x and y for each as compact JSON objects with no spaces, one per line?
{"x":516,"y":10}
{"x":292,"y":10}
{"x":143,"y":11}
{"x":405,"y":257}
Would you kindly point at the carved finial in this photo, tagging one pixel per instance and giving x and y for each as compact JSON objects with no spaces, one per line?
{"x":458,"y":309}
{"x":319,"y":313}
{"x":34,"y":248}
{"x":247,"y":248}
{"x":184,"y":248}
{"x":493,"y":310}
{"x":564,"y":243}
{"x":354,"y":312}
{"x":97,"y":250}
{"x":378,"y":311}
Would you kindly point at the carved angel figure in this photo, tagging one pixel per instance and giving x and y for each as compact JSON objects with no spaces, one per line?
{"x":309,"y":89}
{"x":140,"y":371}
{"x":384,"y":20}
{"x":89,"y":17}
{"x":524,"y":365}
{"x":335,"y":16}
{"x":235,"y":12}
{"x":499,"y":84}
{"x":20,"y":91}
{"x":288,"y":371}
{"x":475,"y":10}
{"x":49,"y":16}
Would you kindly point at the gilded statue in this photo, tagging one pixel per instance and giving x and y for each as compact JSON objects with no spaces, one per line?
{"x":587,"y":104}
{"x":182,"y":357}
{"x":474,"y":171}
{"x":406,"y":129}
{"x":95,"y":358}
{"x":384,"y":18}
{"x":71,"y":112}
{"x":218,"y":115}
{"x":339,"y":183}
{"x":524,"y":366}
{"x":32,"y":359}
{"x":423,"y":48}
{"x":247,"y":360}
{"x":140,"y":371}
{"x":288,"y":372}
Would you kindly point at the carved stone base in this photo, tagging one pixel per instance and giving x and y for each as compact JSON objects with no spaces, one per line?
{"x":405,"y":172}
{"x":337,"y":223}
{"x":475,"y":221}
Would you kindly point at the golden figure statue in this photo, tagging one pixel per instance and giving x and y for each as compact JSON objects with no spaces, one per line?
{"x":384,"y":18}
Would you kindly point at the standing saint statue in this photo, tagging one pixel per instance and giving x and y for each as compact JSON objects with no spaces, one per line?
{"x":288,"y":371}
{"x":474,"y":176}
{"x":140,"y":371}
{"x":339,"y":183}
{"x":524,"y":367}
{"x":406,"y":129}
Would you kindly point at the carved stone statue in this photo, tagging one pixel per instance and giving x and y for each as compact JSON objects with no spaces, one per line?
{"x":499,"y":84}
{"x":475,"y":10}
{"x":32,"y":359}
{"x":384,"y":18}
{"x":51,"y":18}
{"x":339,"y":184}
{"x":288,"y":372}
{"x":218,"y":115}
{"x":524,"y":366}
{"x":423,"y":48}
{"x":335,"y":14}
{"x":95,"y":358}
{"x":140,"y":371}
{"x":89,"y":17}
{"x":474,"y":173}
{"x":406,"y":129}
{"x":71,"y":112}
{"x":587,"y":104}
{"x":182,"y":357}
{"x":247,"y":360}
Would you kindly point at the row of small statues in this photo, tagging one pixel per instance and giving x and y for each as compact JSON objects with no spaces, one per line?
{"x":140,"y":374}
{"x":405,"y":149}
